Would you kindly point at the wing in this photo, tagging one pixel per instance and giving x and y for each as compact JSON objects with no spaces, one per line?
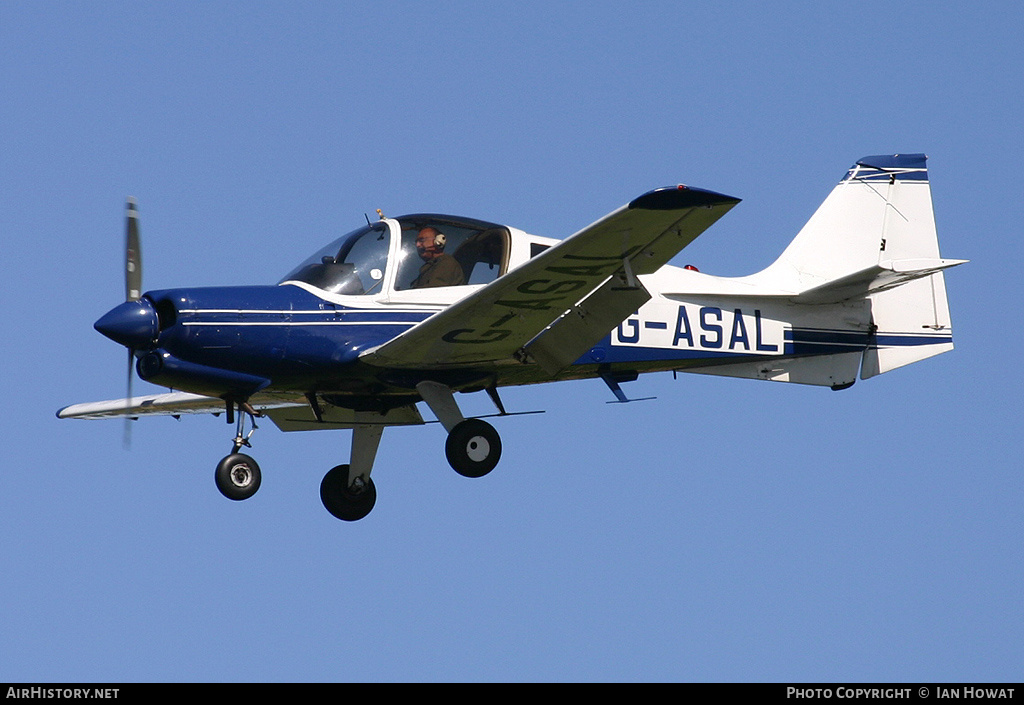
{"x":171,"y":404}
{"x":574,"y":292}
{"x":288,"y":411}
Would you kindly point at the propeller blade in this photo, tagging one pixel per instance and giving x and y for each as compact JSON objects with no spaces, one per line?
{"x":133,"y":254}
{"x":133,"y":291}
{"x":126,"y":440}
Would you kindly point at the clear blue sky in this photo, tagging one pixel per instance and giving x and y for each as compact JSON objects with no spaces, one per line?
{"x":728,"y":531}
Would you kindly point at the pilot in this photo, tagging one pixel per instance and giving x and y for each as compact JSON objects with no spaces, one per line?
{"x":438,"y":269}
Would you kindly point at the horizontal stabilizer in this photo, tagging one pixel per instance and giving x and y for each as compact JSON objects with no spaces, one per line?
{"x":873,"y":279}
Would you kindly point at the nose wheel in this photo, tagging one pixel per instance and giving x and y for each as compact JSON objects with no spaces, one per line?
{"x":238,"y":476}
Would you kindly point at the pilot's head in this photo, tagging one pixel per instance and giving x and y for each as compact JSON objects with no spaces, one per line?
{"x":430,"y":243}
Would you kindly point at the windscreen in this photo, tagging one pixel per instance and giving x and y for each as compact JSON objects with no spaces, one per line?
{"x":353,"y":264}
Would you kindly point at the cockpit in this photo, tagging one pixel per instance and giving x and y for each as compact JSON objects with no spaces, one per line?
{"x":407,"y":253}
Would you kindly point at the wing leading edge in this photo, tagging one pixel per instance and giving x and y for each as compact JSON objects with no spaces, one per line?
{"x":567,"y":297}
{"x":169,"y":404}
{"x":289,"y":412}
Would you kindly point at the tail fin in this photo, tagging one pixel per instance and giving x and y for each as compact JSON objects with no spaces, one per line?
{"x":881,"y":210}
{"x":874,"y":237}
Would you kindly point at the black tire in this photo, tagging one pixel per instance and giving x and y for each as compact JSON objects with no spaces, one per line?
{"x":238,"y":476}
{"x":473,"y":448}
{"x":342,"y":501}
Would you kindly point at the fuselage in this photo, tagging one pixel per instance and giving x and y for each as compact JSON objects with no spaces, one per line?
{"x":306,"y":333}
{"x":235,"y":341}
{"x":416,"y":308}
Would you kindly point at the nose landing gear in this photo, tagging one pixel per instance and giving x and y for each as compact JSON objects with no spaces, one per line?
{"x":238,"y":475}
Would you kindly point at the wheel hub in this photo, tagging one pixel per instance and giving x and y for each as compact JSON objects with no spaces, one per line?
{"x":241,"y":476}
{"x":478,"y":449}
{"x":357,"y":487}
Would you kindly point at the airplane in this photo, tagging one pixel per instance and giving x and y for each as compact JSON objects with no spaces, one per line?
{"x":420,"y":307}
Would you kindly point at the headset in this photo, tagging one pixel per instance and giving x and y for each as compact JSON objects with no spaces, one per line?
{"x":439,"y":237}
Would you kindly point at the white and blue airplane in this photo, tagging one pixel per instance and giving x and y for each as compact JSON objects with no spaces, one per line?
{"x":416,"y":308}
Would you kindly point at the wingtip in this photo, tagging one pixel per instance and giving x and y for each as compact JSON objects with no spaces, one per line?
{"x":679,"y":197}
{"x":916,"y":160}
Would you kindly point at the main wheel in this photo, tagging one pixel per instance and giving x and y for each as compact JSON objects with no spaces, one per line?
{"x":473,"y":448}
{"x":344,"y":502}
{"x":238,"y":476}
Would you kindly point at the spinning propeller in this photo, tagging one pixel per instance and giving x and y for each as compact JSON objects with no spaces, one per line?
{"x":133,"y":323}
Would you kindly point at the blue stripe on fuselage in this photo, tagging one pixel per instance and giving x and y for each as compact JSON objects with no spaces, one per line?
{"x":799,"y":342}
{"x":273,"y":331}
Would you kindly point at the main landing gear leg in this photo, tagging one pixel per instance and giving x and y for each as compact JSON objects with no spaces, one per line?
{"x":238,"y":475}
{"x":473,"y":447}
{"x":347,"y":491}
